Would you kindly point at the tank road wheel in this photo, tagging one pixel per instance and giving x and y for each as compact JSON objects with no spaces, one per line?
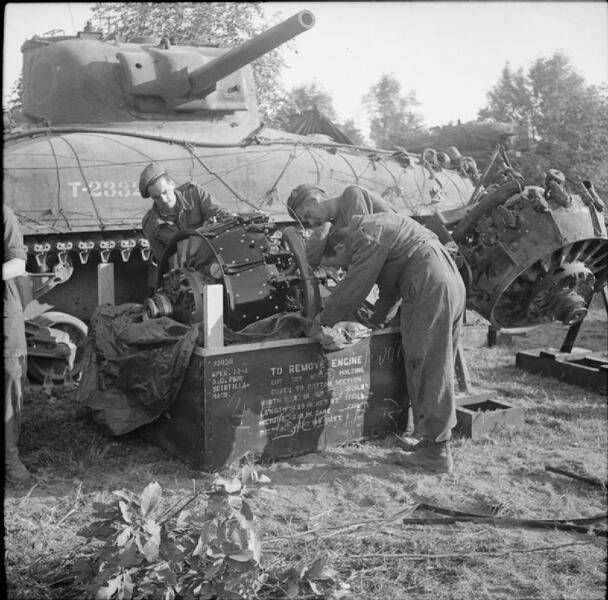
{"x":42,"y":368}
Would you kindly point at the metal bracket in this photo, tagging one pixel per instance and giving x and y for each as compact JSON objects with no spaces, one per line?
{"x":62,"y":251}
{"x":126,"y":247}
{"x":84,"y":251}
{"x":41,"y":251}
{"x":144,"y":248}
{"x":105,"y":249}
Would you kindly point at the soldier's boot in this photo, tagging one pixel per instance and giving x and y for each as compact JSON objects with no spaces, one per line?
{"x":15,"y":471}
{"x":411,"y":444}
{"x":434,"y":457}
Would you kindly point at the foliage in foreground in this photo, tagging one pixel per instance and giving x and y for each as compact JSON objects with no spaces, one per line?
{"x":210,"y":550}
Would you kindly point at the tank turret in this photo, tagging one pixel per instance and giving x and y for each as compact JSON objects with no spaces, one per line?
{"x":84,"y":79}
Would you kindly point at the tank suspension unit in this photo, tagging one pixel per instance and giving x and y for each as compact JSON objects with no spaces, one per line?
{"x":263,"y":271}
{"x":533,"y":254}
{"x":54,"y":256}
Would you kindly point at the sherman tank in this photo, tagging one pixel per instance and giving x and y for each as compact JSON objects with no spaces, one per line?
{"x":100,"y":110}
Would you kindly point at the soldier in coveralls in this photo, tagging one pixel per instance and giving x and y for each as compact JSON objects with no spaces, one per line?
{"x":408,"y":263}
{"x":310,"y":205}
{"x":186,"y":206}
{"x":15,"y":349}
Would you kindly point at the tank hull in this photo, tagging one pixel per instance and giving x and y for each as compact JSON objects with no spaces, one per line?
{"x":83,"y":182}
{"x":80,"y":189}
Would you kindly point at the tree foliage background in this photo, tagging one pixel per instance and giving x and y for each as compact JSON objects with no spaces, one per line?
{"x":393,"y":118}
{"x":304,"y":97}
{"x":567,"y":120}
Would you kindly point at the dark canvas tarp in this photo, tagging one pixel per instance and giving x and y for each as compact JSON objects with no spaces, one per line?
{"x":133,"y":369}
{"x":313,"y":121}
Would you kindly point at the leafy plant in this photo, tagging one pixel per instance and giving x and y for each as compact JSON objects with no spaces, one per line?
{"x":151,"y":551}
{"x":202,"y":547}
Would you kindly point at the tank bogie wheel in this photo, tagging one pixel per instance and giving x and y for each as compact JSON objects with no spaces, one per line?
{"x":41,"y":368}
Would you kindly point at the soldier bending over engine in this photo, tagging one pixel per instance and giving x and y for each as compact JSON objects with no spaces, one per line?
{"x":15,"y":349}
{"x":186,"y":206}
{"x":310,"y":205}
{"x":408,"y":263}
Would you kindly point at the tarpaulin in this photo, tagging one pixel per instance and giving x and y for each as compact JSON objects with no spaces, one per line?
{"x":314,"y":121}
{"x":133,"y":369}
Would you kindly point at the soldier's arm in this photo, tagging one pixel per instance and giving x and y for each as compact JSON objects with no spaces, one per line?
{"x":368,"y":259}
{"x":208,"y":207}
{"x":15,"y":253}
{"x":156,"y":245}
{"x":13,"y":267}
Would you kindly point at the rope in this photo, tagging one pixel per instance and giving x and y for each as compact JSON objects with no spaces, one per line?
{"x":273,"y":188}
{"x":314,"y":159}
{"x":218,"y":177}
{"x":59,"y":208}
{"x":102,"y":225}
{"x":351,"y":167}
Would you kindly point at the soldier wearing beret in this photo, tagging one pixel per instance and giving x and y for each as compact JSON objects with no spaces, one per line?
{"x":408,"y":263}
{"x":310,"y":205}
{"x":186,"y":206}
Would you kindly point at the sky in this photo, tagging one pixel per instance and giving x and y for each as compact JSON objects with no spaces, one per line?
{"x":450,"y":53}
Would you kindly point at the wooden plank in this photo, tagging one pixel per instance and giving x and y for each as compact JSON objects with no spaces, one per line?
{"x":462,"y":371}
{"x":105,"y":284}
{"x":213,"y":316}
{"x":551,"y":364}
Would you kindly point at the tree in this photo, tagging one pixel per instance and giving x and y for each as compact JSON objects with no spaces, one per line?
{"x":12,"y":113}
{"x":353,"y":132}
{"x":306,"y":96}
{"x":510,"y":100}
{"x":392,"y":117}
{"x":567,"y":119}
{"x":300,"y":99}
{"x":226,"y":24}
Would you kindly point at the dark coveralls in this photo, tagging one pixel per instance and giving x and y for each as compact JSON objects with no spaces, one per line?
{"x":356,"y":200}
{"x":408,"y":262}
{"x":194,"y":206}
{"x":15,"y":348}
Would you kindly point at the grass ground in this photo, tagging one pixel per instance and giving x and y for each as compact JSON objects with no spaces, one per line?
{"x":340,"y":502}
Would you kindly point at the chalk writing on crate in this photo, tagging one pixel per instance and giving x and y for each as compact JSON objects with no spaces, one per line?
{"x":314,"y":394}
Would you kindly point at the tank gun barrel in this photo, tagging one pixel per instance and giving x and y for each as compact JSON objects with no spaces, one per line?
{"x":204,"y":78}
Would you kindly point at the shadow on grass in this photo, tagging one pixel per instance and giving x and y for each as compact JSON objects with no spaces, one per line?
{"x":61,"y":445}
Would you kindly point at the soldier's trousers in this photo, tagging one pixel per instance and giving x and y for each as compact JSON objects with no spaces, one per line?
{"x":14,"y":374}
{"x":433,"y":304}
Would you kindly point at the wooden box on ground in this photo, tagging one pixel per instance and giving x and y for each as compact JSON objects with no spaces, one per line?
{"x":284,"y":398}
{"x":579,"y":367}
{"x":478,"y":415}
